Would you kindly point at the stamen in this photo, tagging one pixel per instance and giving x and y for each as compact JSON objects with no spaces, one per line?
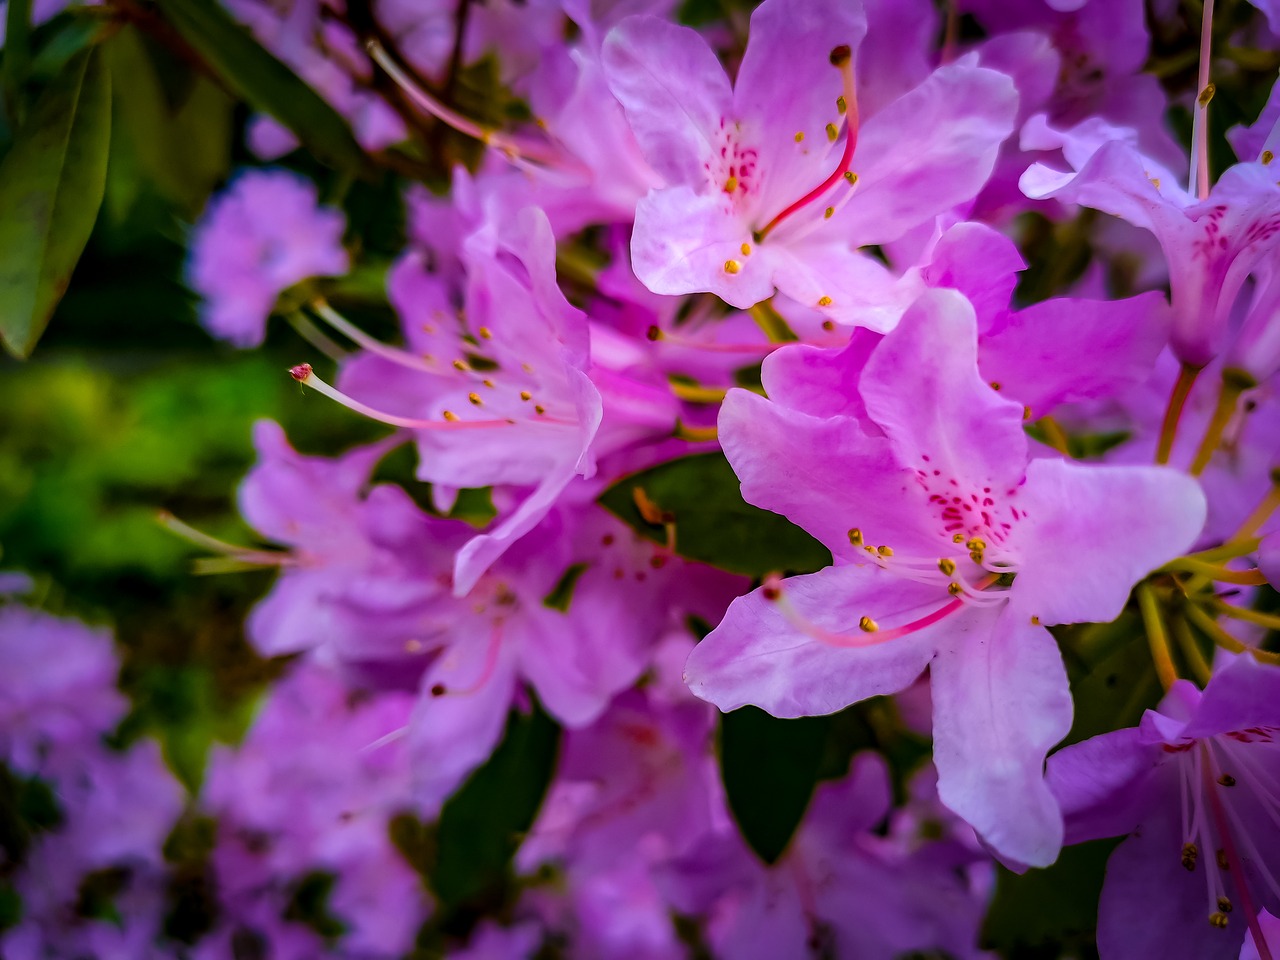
{"x":306,"y":376}
{"x":249,"y":556}
{"x":486,"y":671}
{"x":842,"y":59}
{"x":357,"y":336}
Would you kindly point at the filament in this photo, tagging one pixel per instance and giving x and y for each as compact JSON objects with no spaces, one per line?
{"x":353,"y":333}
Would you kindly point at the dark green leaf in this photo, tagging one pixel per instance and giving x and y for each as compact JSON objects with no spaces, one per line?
{"x":712,"y":521}
{"x":770,"y":768}
{"x":484,"y":822}
{"x":561,"y":594}
{"x":1112,"y":679}
{"x":17,"y":54}
{"x":1055,"y":907}
{"x":264,"y":81}
{"x":51,"y":186}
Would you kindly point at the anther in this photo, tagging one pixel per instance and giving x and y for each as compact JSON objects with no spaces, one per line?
{"x":1218,"y":919}
{"x":947,"y":566}
{"x":731,"y":185}
{"x":799,"y":136}
{"x":828,"y":325}
{"x":653,"y":333}
{"x":885,"y":551}
{"x":1227,"y":780}
{"x":851,"y":177}
{"x":461,"y":366}
{"x":450,"y":416}
{"x":1189,"y":855}
{"x":1035,"y":621}
{"x":855,"y":537}
{"x":841,"y":105}
{"x":975,"y":556}
{"x":868,"y":625}
{"x":526,"y":395}
{"x":958,"y":538}
{"x":1224,"y":905}
{"x":746,"y":249}
{"x":438,"y":690}
{"x":539,"y":409}
{"x":832,"y":132}
{"x":732,"y":266}
{"x":841,"y":55}
{"x":954,"y":588}
{"x":475,"y":398}
{"x":1206,"y":94}
{"x":976,"y":543}
{"x":829,"y":213}
{"x":487,"y":382}
{"x":771,"y":591}
{"x":301,"y":372}
{"x":824,"y":301}
{"x":485,"y":333}
{"x":995,"y":385}
{"x":1267,"y":157}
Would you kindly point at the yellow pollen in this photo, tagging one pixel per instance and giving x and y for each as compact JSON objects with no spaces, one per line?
{"x":1035,"y":621}
{"x":450,"y":416}
{"x":1227,"y":780}
{"x":832,"y":132}
{"x":1026,"y":413}
{"x":731,"y":185}
{"x":995,"y":385}
{"x":868,"y":625}
{"x":975,"y":556}
{"x":977,"y":543}
{"x":829,"y":213}
{"x":1218,"y":919}
{"x":526,"y":395}
{"x":732,"y":266}
{"x":954,"y":588}
{"x":1206,"y":94}
{"x":824,"y":301}
{"x":799,"y":136}
{"x":460,"y":365}
{"x":855,"y":537}
{"x":1155,"y":182}
{"x":746,"y":249}
{"x":487,"y":382}
{"x":475,"y":398}
{"x":885,"y":551}
{"x":1189,"y":855}
{"x":485,"y":333}
{"x":539,"y":409}
{"x":828,"y":325}
{"x":851,"y":177}
{"x":958,"y":538}
{"x":841,"y":105}
{"x":1267,"y":157}
{"x":947,"y":566}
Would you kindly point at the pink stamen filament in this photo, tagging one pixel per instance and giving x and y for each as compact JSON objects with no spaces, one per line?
{"x":846,"y":158}
{"x":837,"y":639}
{"x":486,"y":671}
{"x":306,"y":376}
{"x":1199,"y":174}
{"x":357,"y":336}
{"x":658,"y":335}
{"x":512,"y":147}
{"x":1233,"y":862}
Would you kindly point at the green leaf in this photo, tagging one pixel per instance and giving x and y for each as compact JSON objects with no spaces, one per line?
{"x":264,"y":81}
{"x":1056,"y":907}
{"x":17,"y":54}
{"x":770,"y":768}
{"x":484,"y":822}
{"x":51,"y":186}
{"x":712,"y":521}
{"x":1112,"y":678}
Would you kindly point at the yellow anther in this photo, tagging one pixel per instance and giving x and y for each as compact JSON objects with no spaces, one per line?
{"x":1218,"y":919}
{"x":1035,"y":621}
{"x":799,"y":136}
{"x":732,"y":266}
{"x":829,"y":213}
{"x":841,"y":105}
{"x":539,"y":409}
{"x":1155,"y":182}
{"x":975,"y":556}
{"x":976,"y":543}
{"x":885,"y":551}
{"x":828,"y":325}
{"x":1224,"y":905}
{"x":851,"y":177}
{"x":526,"y":395}
{"x":485,"y":333}
{"x":487,"y":382}
{"x":868,"y":625}
{"x":1189,"y":855}
{"x":1026,"y":413}
{"x":855,"y":537}
{"x":947,"y":566}
{"x":824,"y":301}
{"x":413,"y":646}
{"x":731,"y":185}
{"x":958,"y":538}
{"x":1267,"y":157}
{"x":954,"y":588}
{"x":746,"y":249}
{"x":832,"y":132}
{"x":475,"y":398}
{"x":450,"y":416}
{"x":460,"y":365}
{"x":996,"y":385}
{"x":1206,"y":94}
{"x":841,"y":55}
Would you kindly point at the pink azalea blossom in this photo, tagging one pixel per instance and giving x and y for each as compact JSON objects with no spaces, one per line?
{"x":952,"y":552}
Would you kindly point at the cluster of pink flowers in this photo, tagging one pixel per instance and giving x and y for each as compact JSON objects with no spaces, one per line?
{"x":803,"y":261}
